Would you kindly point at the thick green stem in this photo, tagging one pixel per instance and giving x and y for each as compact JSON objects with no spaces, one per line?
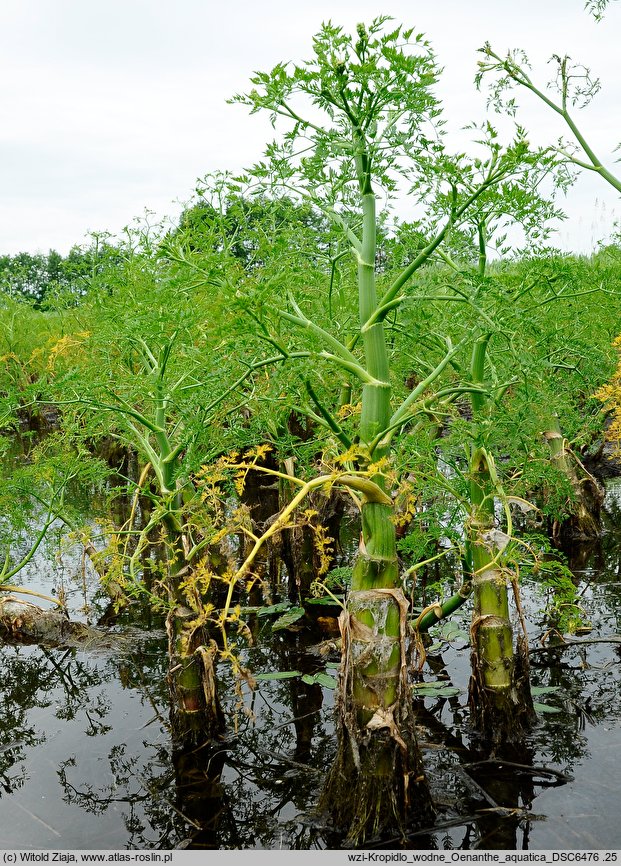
{"x":499,"y":694}
{"x":584,"y":519}
{"x":376,"y":567}
{"x":445,"y":608}
{"x":195,"y":710}
{"x":378,"y":758}
{"x":375,"y":647}
{"x":491,"y":625}
{"x":196,"y":715}
{"x":493,"y":636}
{"x":376,"y":396}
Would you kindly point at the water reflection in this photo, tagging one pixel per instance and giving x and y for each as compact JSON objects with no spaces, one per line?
{"x":86,"y":759}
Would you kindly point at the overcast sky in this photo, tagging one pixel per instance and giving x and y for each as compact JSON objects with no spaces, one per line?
{"x":110,"y":108}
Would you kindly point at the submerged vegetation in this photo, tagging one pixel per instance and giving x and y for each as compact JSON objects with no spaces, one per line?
{"x":289,"y":359}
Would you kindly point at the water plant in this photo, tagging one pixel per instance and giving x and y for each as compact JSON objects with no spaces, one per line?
{"x":362,"y":118}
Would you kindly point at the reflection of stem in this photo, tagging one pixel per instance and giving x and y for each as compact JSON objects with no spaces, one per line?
{"x":63,"y":674}
{"x":145,"y":691}
{"x":294,"y":720}
{"x":534,"y":771}
{"x":157,"y":797}
{"x":568,"y":642}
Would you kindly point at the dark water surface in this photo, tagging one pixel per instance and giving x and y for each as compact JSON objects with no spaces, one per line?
{"x":86,"y":759}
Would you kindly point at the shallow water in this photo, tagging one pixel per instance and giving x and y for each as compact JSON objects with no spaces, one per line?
{"x":86,"y":759}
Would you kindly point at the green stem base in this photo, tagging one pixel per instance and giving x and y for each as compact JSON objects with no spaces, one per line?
{"x":376,"y":788}
{"x":195,"y":713}
{"x":584,"y":521}
{"x":502,"y":714}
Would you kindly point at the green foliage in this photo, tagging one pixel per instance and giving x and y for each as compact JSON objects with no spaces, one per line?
{"x":574,"y":87}
{"x":597,"y":8}
{"x":335,"y":581}
{"x":277,"y":675}
{"x":249,"y":322}
{"x":537,"y":691}
{"x":556,"y":585}
{"x":288,"y":619}
{"x":321,"y":678}
{"x":378,"y":81}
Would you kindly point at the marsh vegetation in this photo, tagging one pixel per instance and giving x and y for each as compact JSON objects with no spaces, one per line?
{"x":305,"y":529}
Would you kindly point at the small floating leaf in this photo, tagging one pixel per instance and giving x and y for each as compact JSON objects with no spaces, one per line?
{"x":278,"y":675}
{"x":322,"y":679}
{"x":448,"y":692}
{"x":326,"y":680}
{"x":325,"y":599}
{"x":545,"y":708}
{"x":544,"y":690}
{"x":451,"y":631}
{"x":288,"y":618}
{"x":274,"y":608}
{"x":439,"y":689}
